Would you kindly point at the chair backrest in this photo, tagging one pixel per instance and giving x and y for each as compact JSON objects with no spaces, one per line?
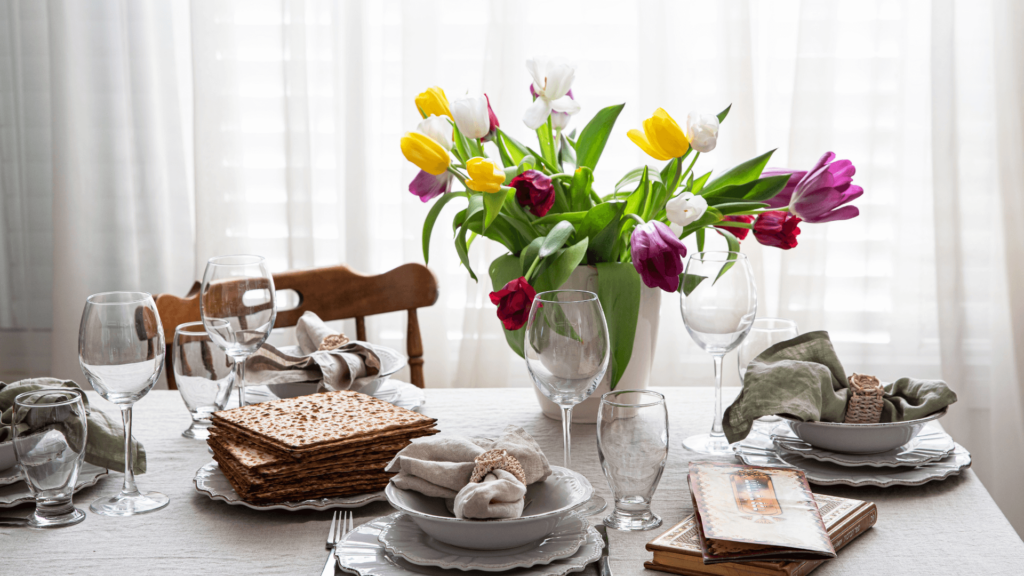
{"x":333,"y":293}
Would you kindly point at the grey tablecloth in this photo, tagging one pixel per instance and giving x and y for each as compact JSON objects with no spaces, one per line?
{"x":948,"y":527}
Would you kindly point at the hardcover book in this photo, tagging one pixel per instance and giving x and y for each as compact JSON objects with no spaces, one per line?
{"x":679,"y":551}
{"x":753,"y":512}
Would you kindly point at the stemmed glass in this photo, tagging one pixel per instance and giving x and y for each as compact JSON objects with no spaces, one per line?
{"x":567,"y":352}
{"x":718,"y":313}
{"x":238,"y":308}
{"x":121,"y":351}
{"x":765,"y":333}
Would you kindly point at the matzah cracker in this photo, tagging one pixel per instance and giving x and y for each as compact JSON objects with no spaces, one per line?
{"x":327,"y":419}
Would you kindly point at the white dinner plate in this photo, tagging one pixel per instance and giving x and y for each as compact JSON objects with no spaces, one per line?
{"x":211,"y":481}
{"x":405,"y":539}
{"x":401,"y":394}
{"x":10,"y":475}
{"x":18,"y":493}
{"x":930,"y":445}
{"x":361,"y":552}
{"x":757,"y":449}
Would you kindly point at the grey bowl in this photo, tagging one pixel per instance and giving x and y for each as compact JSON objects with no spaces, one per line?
{"x":860,"y":438}
{"x":7,"y":457}
{"x":550,"y":501}
{"x":391,"y":362}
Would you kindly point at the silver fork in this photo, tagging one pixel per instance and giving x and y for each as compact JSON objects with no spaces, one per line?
{"x":340,"y":527}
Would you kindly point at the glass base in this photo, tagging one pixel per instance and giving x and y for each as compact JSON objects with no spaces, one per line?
{"x":707,"y":444}
{"x":595,"y":505}
{"x":129,"y":504}
{"x":620,"y":520}
{"x":197,"y":431}
{"x":41,"y":518}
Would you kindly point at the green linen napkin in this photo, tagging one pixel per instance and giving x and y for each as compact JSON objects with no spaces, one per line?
{"x":105,"y":437}
{"x":803,"y":377}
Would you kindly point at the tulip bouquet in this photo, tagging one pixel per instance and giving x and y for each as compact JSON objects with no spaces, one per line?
{"x":544,"y":206}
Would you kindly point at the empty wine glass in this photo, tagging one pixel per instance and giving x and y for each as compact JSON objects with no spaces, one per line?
{"x":204,"y":375}
{"x":50,"y":432}
{"x":632,"y":444}
{"x":121,"y":351}
{"x":237,"y":305}
{"x":765,"y":333}
{"x":718,"y":313}
{"x":567,"y":351}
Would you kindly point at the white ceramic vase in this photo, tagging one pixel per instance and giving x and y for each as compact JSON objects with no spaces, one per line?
{"x":638,"y":372}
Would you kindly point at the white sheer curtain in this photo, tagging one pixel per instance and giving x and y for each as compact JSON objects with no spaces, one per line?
{"x":291,"y":111}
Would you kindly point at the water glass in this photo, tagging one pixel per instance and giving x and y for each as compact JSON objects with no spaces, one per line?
{"x":50,"y":431}
{"x":121,"y":351}
{"x":632,"y":444}
{"x":718,"y":312}
{"x":203,"y":373}
{"x":567,"y":351}
{"x":238,"y":308}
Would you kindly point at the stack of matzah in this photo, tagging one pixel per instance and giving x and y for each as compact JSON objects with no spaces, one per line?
{"x":316,"y":446}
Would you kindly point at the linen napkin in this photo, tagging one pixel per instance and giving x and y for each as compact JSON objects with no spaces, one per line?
{"x":804,"y":378}
{"x":442,"y":466}
{"x":350,"y":367}
{"x":104,"y":445}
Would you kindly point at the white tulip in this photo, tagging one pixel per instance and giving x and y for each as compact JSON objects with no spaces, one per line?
{"x":552,"y":79}
{"x":559,"y":120}
{"x":438,"y":129}
{"x":470,"y":113}
{"x":702,"y":131}
{"x":685,"y":209}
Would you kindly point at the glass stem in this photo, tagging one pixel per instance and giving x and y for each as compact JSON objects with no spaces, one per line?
{"x":129,"y":463}
{"x":566,"y":425}
{"x":716,"y":426}
{"x":240,"y":380}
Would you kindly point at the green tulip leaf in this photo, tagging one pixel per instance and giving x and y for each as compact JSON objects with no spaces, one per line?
{"x":741,"y":174}
{"x":556,"y":238}
{"x":567,"y":155}
{"x":462,"y":249}
{"x":711,"y":216}
{"x":503,"y":270}
{"x":618,"y":289}
{"x":755,"y":191}
{"x":595,"y":135}
{"x":634,"y":175}
{"x":514,"y":149}
{"x":462,"y":148}
{"x":700,"y":239}
{"x":724,"y":113}
{"x":547,"y":142}
{"x":734,"y":207}
{"x":698,"y":184}
{"x":561,"y":267}
{"x":603,"y":230}
{"x":428,"y":224}
{"x":573,"y":218}
{"x":561,"y":199}
{"x":688,"y":282}
{"x":734,"y":246}
{"x":579,"y":198}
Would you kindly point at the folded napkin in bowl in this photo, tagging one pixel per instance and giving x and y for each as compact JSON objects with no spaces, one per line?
{"x":804,"y":378}
{"x":104,"y":446}
{"x":350,"y":366}
{"x":444,"y":466}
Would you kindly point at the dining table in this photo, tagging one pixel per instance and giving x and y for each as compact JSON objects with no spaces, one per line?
{"x":950,"y":526}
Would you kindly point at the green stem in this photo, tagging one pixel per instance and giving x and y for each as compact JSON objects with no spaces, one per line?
{"x":735,"y":224}
{"x":459,"y":175}
{"x":638,"y":219}
{"x":532,"y":268}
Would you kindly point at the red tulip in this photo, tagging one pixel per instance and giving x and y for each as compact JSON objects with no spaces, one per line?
{"x":778,"y":229}
{"x":739,"y":233}
{"x":494,"y":121}
{"x":514,"y":302}
{"x":534,"y":191}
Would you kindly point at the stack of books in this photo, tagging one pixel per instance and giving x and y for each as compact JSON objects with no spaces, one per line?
{"x":751,"y":521}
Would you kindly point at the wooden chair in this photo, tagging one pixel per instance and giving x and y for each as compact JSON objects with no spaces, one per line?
{"x":334,"y":293}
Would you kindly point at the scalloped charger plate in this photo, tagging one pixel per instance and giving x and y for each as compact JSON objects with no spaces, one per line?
{"x":211,"y":481}
{"x":930,"y":445}
{"x":361,"y":552}
{"x":405,"y":539}
{"x":18,"y":492}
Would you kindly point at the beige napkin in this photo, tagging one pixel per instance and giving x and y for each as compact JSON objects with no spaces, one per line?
{"x":350,"y":367}
{"x":441,"y":466}
{"x":499,"y":495}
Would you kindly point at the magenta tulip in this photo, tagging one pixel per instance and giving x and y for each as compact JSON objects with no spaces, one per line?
{"x":427,"y":186}
{"x":657,"y":255}
{"x":820,"y":195}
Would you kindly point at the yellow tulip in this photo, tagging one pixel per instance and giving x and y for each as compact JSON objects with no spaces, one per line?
{"x":425,"y":153}
{"x":433,"y":101}
{"x":662,"y":138}
{"x":484,"y":175}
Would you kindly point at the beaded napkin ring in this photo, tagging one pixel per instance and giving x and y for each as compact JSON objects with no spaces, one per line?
{"x":497,"y":460}
{"x":865,"y":404}
{"x":333,"y":342}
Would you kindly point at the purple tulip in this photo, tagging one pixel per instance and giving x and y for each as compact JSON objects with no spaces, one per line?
{"x":781,"y":200}
{"x":427,"y":186}
{"x":826,"y":187}
{"x":657,"y":255}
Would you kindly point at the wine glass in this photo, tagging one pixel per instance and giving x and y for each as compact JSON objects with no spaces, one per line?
{"x":237,"y":305}
{"x":204,"y":375}
{"x":567,"y":352}
{"x":765,"y":333}
{"x":718,"y":312}
{"x":121,"y":351}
